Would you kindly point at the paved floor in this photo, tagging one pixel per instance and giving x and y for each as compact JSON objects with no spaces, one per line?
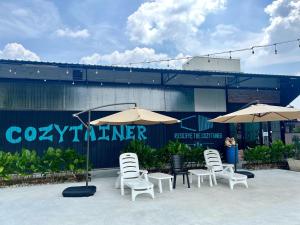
{"x":273,"y":197}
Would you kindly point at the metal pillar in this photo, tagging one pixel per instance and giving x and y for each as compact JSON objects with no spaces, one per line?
{"x":88,"y":127}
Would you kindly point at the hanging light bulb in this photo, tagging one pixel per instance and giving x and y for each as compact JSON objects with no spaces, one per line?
{"x":38,"y":71}
{"x":230,"y":55}
{"x":96,"y":72}
{"x":10,"y":70}
{"x":253,"y":50}
{"x":299,"y":43}
{"x":73,"y":82}
{"x":130,"y":70}
{"x":208,"y":59}
{"x":67,"y":72}
{"x":275,"y":51}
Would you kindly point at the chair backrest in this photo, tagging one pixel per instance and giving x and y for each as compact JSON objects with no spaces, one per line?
{"x":213,"y":159}
{"x":177,"y":163}
{"x":129,"y":165}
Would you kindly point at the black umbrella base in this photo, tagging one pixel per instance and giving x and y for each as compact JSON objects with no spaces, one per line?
{"x":79,"y":191}
{"x":247,"y":173}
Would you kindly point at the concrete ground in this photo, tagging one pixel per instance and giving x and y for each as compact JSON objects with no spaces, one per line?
{"x":273,"y":197}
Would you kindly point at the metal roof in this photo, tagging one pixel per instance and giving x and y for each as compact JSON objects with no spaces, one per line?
{"x":139,"y":69}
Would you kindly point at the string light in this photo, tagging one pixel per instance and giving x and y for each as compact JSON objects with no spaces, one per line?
{"x":221,"y":53}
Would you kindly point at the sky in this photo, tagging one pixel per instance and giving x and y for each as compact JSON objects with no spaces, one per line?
{"x":109,"y":32}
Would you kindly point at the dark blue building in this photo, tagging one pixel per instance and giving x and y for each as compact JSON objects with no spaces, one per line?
{"x":37,"y":100}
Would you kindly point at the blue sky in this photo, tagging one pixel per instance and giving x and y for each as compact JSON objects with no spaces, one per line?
{"x":124,"y":31}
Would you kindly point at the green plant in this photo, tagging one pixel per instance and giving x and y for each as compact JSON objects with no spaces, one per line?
{"x":7,"y":164}
{"x":148,"y":157}
{"x":53,"y":160}
{"x":277,"y":152}
{"x":258,"y":154}
{"x":27,"y":162}
{"x":177,"y":148}
{"x":72,"y":161}
{"x":195,"y":154}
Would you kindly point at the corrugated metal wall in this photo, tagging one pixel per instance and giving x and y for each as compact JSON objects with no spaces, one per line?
{"x":67,"y":97}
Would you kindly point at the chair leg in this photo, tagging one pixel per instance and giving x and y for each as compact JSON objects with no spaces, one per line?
{"x":183,"y":178}
{"x":174,"y":181}
{"x":188,"y":181}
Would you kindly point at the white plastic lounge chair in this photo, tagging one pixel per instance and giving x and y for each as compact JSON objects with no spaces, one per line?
{"x":214,"y":164}
{"x":133,"y":177}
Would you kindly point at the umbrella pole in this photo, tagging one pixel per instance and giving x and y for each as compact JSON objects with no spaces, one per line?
{"x":88,"y":150}
{"x":235,"y":158}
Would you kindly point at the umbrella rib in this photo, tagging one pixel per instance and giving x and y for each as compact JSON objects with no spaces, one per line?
{"x":282,"y":116}
{"x":228,"y":119}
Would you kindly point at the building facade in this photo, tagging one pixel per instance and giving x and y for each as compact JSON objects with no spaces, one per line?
{"x":37,"y":100}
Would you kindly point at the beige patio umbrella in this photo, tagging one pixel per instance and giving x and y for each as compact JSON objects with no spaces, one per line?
{"x":259,"y":113}
{"x":135,"y":116}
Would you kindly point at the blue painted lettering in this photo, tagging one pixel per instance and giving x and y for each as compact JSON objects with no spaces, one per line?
{"x":10,"y":133}
{"x":61,"y":132}
{"x":76,"y":129}
{"x":44,"y":132}
{"x":141,"y":132}
{"x":119,"y":134}
{"x":30,"y":134}
{"x":103,"y":135}
{"x":129,"y":132}
{"x":92,"y":135}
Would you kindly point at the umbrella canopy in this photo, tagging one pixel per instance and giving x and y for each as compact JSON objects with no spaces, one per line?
{"x":259,"y":113}
{"x":135,"y":116}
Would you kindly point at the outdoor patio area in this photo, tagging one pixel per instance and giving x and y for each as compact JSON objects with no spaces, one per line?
{"x":273,"y":197}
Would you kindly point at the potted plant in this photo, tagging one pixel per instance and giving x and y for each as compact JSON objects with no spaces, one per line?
{"x":294,"y":163}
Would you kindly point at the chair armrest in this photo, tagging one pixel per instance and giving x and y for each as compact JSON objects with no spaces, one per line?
{"x":225,"y":165}
{"x":229,"y":169}
{"x":210,"y":168}
{"x":144,"y":173}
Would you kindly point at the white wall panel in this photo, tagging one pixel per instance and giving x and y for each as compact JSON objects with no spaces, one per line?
{"x":210,"y":100}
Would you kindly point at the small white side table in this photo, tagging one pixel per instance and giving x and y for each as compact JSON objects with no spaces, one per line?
{"x":159,"y":177}
{"x":200,"y":174}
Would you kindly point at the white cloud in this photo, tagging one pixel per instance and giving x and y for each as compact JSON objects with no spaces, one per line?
{"x":284,"y":24}
{"x":169,"y":20}
{"x":28,"y":18}
{"x":284,"y":20}
{"x":132,"y":56}
{"x":223,"y":30}
{"x":66,"y":32}
{"x":17,"y":51}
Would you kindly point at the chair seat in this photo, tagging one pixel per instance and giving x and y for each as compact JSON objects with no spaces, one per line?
{"x":233,"y":176}
{"x":138,"y":184}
